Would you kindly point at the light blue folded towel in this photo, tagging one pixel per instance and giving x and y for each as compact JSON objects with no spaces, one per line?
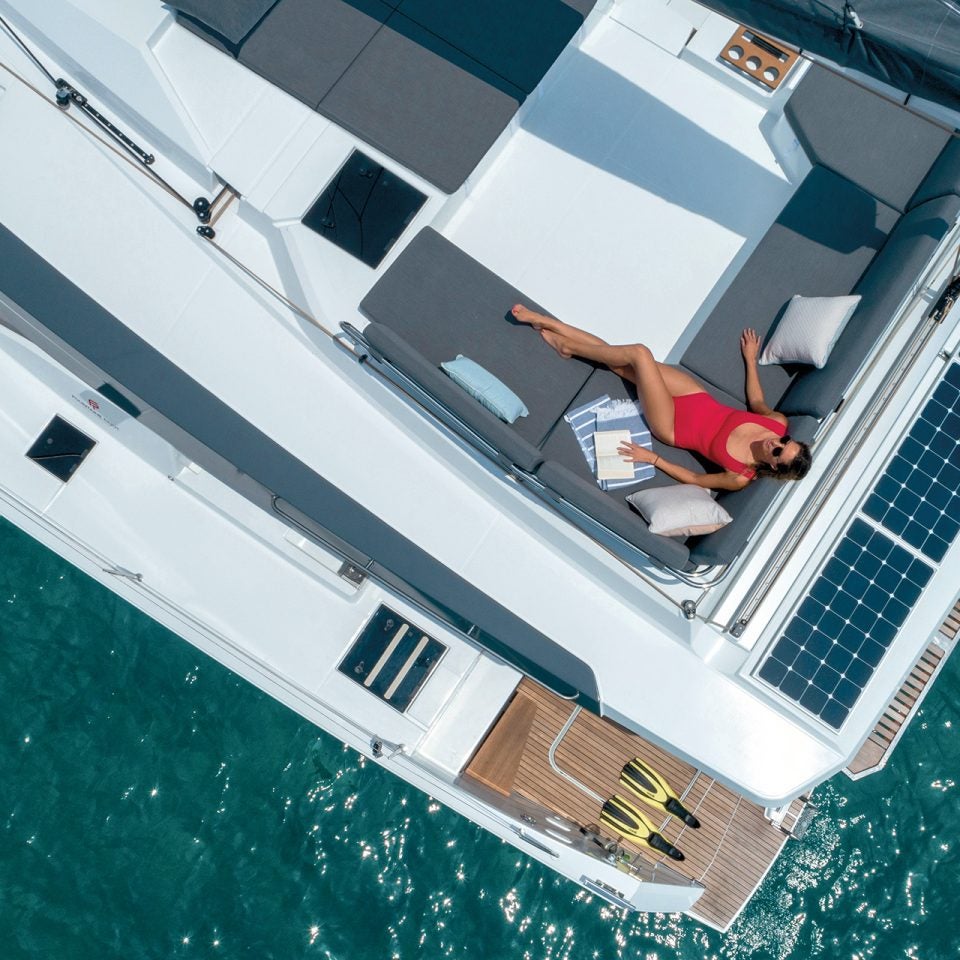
{"x":607,"y":414}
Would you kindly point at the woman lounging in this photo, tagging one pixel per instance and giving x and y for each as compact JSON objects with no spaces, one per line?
{"x":681,"y":413}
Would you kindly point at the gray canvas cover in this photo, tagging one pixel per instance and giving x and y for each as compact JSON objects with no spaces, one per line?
{"x":912,"y":44}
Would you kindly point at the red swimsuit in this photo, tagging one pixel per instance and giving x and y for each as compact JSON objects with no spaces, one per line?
{"x":704,"y":425}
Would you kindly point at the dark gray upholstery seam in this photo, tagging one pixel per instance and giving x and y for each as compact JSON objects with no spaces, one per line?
{"x":397,"y":12}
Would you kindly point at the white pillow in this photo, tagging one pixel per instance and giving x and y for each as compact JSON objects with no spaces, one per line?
{"x":808,"y":330}
{"x":681,"y":510}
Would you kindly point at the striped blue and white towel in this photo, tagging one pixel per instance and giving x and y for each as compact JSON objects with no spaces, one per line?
{"x":613,"y":415}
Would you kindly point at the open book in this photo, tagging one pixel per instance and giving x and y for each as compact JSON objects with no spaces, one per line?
{"x":610,"y":462}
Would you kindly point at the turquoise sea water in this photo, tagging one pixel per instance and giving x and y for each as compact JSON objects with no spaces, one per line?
{"x":153,"y":805}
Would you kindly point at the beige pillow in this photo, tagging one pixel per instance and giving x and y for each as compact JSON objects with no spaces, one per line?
{"x":808,"y":330}
{"x":680,"y":510}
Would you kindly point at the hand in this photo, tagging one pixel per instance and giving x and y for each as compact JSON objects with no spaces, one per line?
{"x":634,"y":453}
{"x":750,"y":345}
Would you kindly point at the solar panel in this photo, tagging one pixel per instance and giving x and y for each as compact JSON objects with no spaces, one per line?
{"x":918,"y":497}
{"x":840,"y":632}
{"x":838,"y":635}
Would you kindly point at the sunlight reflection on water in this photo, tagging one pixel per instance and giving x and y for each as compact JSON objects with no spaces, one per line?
{"x":154,"y":805}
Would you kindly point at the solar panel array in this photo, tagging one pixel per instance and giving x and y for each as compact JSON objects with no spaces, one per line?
{"x":918,"y":498}
{"x":838,"y":635}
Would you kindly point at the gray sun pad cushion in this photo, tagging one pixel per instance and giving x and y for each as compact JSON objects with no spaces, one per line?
{"x":338,"y":31}
{"x":422,"y":102}
{"x":819,"y":246}
{"x":517,"y":41}
{"x":232,"y":19}
{"x":443,"y":302}
{"x":877,"y":144}
{"x":430,"y":83}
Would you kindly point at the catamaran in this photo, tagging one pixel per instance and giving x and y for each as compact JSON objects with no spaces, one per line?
{"x":258,"y":261}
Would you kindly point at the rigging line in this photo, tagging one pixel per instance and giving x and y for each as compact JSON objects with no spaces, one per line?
{"x":139,"y":167}
{"x":305,"y":314}
{"x":124,"y":154}
{"x":22,"y":45}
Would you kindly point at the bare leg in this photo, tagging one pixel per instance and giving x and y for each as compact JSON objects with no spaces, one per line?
{"x":541,"y":322}
{"x":640,"y":367}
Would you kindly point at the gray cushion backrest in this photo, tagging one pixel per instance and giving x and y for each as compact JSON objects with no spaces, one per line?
{"x":422,"y":102}
{"x":943,"y":178}
{"x":338,"y":31}
{"x":884,"y":286}
{"x":386,"y":344}
{"x":821,"y":243}
{"x":588,"y":497}
{"x":877,"y":144}
{"x":232,"y":19}
{"x":583,"y":7}
{"x":747,"y":507}
{"x":215,"y":39}
{"x":443,"y":302}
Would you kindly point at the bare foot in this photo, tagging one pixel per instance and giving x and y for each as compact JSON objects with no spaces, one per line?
{"x":536,"y":320}
{"x":558,"y":343}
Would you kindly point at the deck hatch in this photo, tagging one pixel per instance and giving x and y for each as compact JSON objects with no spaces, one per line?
{"x":60,"y":449}
{"x":364,"y":209}
{"x":868,"y":587}
{"x":392,"y":658}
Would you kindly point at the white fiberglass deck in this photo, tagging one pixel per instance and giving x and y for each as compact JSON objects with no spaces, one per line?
{"x":654,"y":248}
{"x":176,"y":293}
{"x":631,"y":187}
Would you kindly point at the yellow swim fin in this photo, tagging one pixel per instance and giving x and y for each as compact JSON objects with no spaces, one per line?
{"x":647,"y":784}
{"x":626,"y":820}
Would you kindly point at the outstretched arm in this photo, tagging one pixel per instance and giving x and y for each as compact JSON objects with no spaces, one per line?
{"x":711,"y":481}
{"x":750,"y":348}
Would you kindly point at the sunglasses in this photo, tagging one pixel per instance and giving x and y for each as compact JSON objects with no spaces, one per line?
{"x":777,"y":451}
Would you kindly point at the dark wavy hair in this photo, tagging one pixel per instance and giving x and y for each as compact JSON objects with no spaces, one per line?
{"x":796,"y":469}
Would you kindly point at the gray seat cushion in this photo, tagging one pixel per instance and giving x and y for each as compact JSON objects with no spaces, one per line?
{"x":881,"y":147}
{"x":422,"y":102}
{"x":443,"y":302}
{"x":562,"y":447}
{"x":943,"y":178}
{"x":519,"y":41}
{"x":883,"y":288}
{"x":232,"y":20}
{"x":821,"y":243}
{"x":337,"y":30}
{"x":388,"y":345}
{"x":616,"y":517}
{"x":563,"y":461}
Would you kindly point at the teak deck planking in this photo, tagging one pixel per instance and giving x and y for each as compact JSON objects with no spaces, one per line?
{"x":729,"y":854}
{"x":872,"y":754}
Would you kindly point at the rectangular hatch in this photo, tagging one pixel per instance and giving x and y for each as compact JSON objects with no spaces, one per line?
{"x":392,"y":658}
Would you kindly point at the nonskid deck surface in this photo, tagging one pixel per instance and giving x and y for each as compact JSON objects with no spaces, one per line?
{"x":729,"y":854}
